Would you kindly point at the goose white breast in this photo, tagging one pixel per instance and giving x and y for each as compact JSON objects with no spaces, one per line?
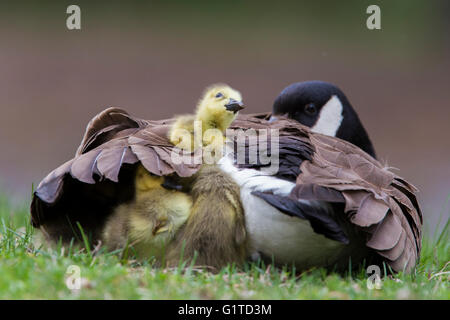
{"x":274,"y":234}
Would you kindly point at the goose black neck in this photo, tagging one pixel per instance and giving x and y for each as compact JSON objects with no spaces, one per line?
{"x":353,"y":131}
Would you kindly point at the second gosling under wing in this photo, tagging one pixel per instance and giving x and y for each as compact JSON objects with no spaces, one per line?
{"x":149,"y":222}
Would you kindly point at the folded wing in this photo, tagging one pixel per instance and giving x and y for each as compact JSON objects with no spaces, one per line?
{"x":100,"y":176}
{"x":377,"y":202}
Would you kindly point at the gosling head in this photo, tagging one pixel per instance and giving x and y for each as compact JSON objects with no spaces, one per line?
{"x":219,"y":106}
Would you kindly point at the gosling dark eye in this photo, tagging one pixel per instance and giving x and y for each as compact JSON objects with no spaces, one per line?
{"x":310,"y":109}
{"x":219,"y":95}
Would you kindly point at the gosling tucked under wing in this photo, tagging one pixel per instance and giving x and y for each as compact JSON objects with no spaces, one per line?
{"x":150,"y":221}
{"x":87,"y":188}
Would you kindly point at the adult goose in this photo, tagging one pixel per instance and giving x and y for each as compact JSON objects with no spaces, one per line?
{"x":331,"y":201}
{"x":328,"y":202}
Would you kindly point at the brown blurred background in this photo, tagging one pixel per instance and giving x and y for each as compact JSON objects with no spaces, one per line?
{"x":155,"y":58}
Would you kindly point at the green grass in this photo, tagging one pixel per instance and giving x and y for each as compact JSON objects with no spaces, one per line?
{"x":29,"y":271}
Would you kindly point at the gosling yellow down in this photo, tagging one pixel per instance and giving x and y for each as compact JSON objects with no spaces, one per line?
{"x":204,"y":221}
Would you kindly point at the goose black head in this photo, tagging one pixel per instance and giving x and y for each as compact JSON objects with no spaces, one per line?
{"x":325,"y":109}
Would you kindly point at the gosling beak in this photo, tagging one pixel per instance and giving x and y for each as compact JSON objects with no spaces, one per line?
{"x":160,"y":226}
{"x":234,"y":105}
{"x":170,"y":184}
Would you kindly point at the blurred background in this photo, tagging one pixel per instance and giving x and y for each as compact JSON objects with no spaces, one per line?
{"x":155,"y":58}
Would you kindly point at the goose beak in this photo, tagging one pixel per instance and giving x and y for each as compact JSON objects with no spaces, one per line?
{"x":234,"y":105}
{"x":274,"y":118}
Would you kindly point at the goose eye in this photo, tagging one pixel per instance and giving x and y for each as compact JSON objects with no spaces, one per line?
{"x":219,"y":95}
{"x":310,"y":109}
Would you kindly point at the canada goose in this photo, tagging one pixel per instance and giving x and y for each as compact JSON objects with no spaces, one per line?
{"x":329,"y":202}
{"x":380,"y":217}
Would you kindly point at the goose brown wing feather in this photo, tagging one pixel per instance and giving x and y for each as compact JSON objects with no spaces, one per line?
{"x":377,"y":202}
{"x":113,"y":140}
{"x":105,"y":124}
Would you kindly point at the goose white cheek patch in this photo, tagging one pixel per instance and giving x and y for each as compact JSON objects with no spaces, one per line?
{"x":330,"y":117}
